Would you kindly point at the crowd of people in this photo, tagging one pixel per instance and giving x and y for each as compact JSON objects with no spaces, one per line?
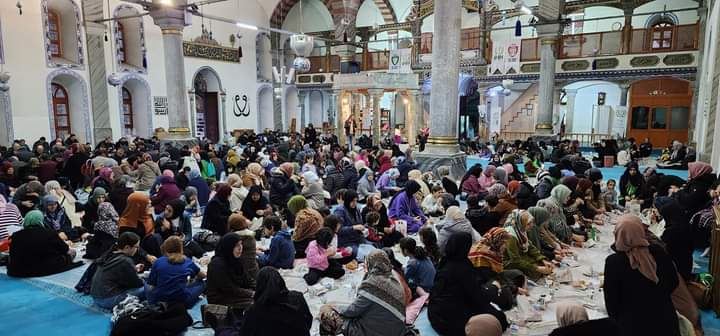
{"x":273,"y":201}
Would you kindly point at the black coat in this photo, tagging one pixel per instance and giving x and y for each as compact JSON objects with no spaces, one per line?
{"x":456,"y":297}
{"x":281,"y":189}
{"x":216,"y":216}
{"x":450,"y":186}
{"x":333,"y":181}
{"x":350,"y":178}
{"x":36,"y":252}
{"x":678,"y":238}
{"x":636,"y":304}
{"x":291,"y":318}
{"x":228,"y":286}
{"x":601,"y":327}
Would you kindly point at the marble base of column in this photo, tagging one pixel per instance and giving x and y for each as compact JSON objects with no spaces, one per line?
{"x":435,"y":156}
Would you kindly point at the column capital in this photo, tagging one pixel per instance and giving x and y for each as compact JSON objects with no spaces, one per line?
{"x":171,"y":20}
{"x":624,"y":85}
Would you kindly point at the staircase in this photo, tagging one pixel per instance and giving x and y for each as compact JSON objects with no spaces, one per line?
{"x":520,"y":115}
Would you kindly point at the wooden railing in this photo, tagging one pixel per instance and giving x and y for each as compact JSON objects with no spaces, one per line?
{"x":683,"y":37}
{"x":585,"y":139}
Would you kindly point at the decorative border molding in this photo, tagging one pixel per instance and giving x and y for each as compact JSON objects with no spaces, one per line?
{"x":84,"y":106}
{"x":116,"y":37}
{"x":135,"y":77}
{"x":46,"y":30}
{"x":688,"y":72}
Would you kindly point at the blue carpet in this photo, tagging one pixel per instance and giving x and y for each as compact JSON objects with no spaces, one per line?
{"x":30,"y":310}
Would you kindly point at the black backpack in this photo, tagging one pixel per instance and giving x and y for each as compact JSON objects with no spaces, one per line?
{"x":161,"y":319}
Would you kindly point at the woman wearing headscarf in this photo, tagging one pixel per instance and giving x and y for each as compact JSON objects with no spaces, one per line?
{"x":500,"y":203}
{"x":254,"y":176}
{"x":282,"y":186}
{"x":631,"y":184}
{"x":137,"y":218}
{"x":190,"y":196}
{"x":417,"y":176}
{"x":470,"y":183}
{"x":520,"y":254}
{"x":313,"y":190}
{"x":228,"y":282}
{"x":557,"y":223}
{"x":232,"y":160}
{"x":256,"y":205}
{"x":353,"y":224}
{"x":487,"y":179}
{"x":29,"y":196}
{"x":487,"y":257}
{"x":218,"y":211}
{"x":483,"y":325}
{"x":390,"y":236}
{"x":385,"y":161}
{"x":57,"y":220}
{"x":405,"y":206}
{"x":167,"y":190}
{"x":379,"y":308}
{"x":239,"y":192}
{"x":10,"y":219}
{"x":203,"y":190}
{"x":639,"y":280}
{"x":456,"y":297}
{"x":307,"y":223}
{"x":240,"y":225}
{"x":105,"y":231}
{"x":501,"y":176}
{"x":387,"y":183}
{"x":366,"y":185}
{"x":677,"y":235}
{"x":541,"y":237}
{"x":454,"y":222}
{"x":36,"y":251}
{"x":694,"y":196}
{"x":66,"y":200}
{"x":277,"y":310}
{"x":104,"y":179}
{"x":173,"y":221}
{"x":89,"y":217}
{"x":572,"y":319}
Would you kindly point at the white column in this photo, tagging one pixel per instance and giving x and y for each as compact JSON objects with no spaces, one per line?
{"x":570,"y":109}
{"x":548,"y":41}
{"x":224,"y":126}
{"x":377,"y":95}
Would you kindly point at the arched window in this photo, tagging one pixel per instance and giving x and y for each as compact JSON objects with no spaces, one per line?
{"x":662,"y":35}
{"x":121,"y":43}
{"x":127,"y":111}
{"x":61,"y":110}
{"x":54,"y":34}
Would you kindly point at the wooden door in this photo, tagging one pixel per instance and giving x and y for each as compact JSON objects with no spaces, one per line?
{"x":660,"y":111}
{"x":212,"y":125}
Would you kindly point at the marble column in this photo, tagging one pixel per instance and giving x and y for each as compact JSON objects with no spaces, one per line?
{"x":410,"y":117}
{"x":557,"y":122}
{"x":442,"y":149}
{"x":570,"y":109}
{"x":302,"y":109}
{"x":548,"y":42}
{"x":224,"y":129}
{"x":339,"y":116}
{"x":377,"y":95}
{"x":624,"y":89}
{"x":6,"y":110}
{"x":417,"y":100}
{"x":97,"y":75}
{"x":627,"y":30}
{"x":693,"y":127}
{"x":172,"y":22}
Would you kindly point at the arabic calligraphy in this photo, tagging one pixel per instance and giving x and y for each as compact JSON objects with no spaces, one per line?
{"x":241,"y":111}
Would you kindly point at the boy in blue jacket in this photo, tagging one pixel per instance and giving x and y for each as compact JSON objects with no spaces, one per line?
{"x":281,"y":253}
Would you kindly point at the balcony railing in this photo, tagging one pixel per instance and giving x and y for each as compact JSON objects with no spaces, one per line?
{"x":649,"y":40}
{"x":585,"y":139}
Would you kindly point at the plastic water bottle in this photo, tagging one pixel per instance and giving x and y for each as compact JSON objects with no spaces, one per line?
{"x":514,"y":329}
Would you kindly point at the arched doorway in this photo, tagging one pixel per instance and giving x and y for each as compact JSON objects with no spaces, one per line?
{"x":660,"y":110}
{"x":207,"y":88}
{"x":68,"y":105}
{"x":265,"y":107}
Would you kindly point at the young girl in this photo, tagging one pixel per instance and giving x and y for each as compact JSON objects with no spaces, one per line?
{"x":319,"y":261}
{"x":169,"y":274}
{"x":431,"y":204}
{"x":419,"y":272}
{"x":309,"y":164}
{"x":610,"y":194}
{"x":372,"y":219}
{"x":429,"y":240}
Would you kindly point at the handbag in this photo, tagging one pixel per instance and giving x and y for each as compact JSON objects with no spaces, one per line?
{"x":213,"y":314}
{"x":701,"y":290}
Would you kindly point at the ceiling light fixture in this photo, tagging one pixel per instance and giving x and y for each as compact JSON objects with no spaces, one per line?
{"x":245,"y":26}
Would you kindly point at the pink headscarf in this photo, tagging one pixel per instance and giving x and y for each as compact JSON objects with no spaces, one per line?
{"x":697,"y":169}
{"x":508,"y":168}
{"x":168,"y":173}
{"x":630,"y":238}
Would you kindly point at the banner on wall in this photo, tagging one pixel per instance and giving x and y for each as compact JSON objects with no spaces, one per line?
{"x":400,"y":61}
{"x":495,"y":116}
{"x":619,"y":124}
{"x":505,"y":58}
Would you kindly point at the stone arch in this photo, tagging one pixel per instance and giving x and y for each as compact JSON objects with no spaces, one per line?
{"x":135,"y":52}
{"x":661,"y":17}
{"x":214,"y":91}
{"x":142,"y":104}
{"x":387,"y":11}
{"x":265,"y":107}
{"x":74,"y":83}
{"x":72,"y":45}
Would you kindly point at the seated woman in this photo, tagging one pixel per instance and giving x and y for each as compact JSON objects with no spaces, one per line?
{"x":166,"y":191}
{"x":256,"y":205}
{"x":137,"y":218}
{"x":456,"y":296}
{"x":307,"y":223}
{"x":10,"y":219}
{"x":169,"y":275}
{"x":454,"y":222}
{"x":520,"y":254}
{"x":417,"y":176}
{"x":173,"y":222}
{"x":557,"y":223}
{"x":238,"y":224}
{"x":366,"y":185}
{"x":470,"y":183}
{"x":677,"y":157}
{"x":353,"y":224}
{"x":190,"y":196}
{"x":387,"y":183}
{"x":218,"y":211}
{"x":105,"y":232}
{"x":277,"y":310}
{"x":116,"y":276}
{"x":228,"y":282}
{"x":639,"y":281}
{"x":36,"y":251}
{"x":419,"y":271}
{"x":404,"y":206}
{"x":379,"y":308}
{"x":501,"y":285}
{"x":390,"y":236}
{"x":541,"y":237}
{"x":57,"y":220}
{"x":313,"y":190}
{"x":572,"y":319}
{"x":448,"y":183}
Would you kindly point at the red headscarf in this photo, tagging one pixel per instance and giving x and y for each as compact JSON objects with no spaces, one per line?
{"x":136,"y":213}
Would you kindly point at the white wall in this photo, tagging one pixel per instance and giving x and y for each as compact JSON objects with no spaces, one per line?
{"x":586,"y":102}
{"x":315,"y":17}
{"x":602,"y":25}
{"x":685,"y":17}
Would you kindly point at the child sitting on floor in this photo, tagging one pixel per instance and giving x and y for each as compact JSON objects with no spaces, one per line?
{"x":374,"y":235}
{"x":419,"y":271}
{"x":610,"y":195}
{"x":320,"y":264}
{"x":432,"y":203}
{"x":281,"y":253}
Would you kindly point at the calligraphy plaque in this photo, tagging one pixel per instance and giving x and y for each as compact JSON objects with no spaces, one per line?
{"x":213,"y":52}
{"x":679,"y":59}
{"x":644,"y":61}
